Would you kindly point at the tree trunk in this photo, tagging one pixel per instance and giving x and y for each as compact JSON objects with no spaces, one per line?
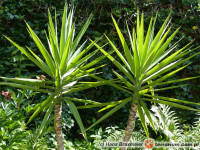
{"x":58,"y":125}
{"x":130,"y":124}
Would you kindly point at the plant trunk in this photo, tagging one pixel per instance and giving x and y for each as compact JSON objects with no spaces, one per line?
{"x":58,"y":125}
{"x":130,"y":124}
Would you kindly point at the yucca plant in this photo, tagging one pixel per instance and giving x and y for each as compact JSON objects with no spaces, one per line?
{"x":146,"y":64}
{"x":64,"y":64}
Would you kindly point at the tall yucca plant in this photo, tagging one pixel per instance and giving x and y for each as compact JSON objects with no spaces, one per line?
{"x":147,"y":64}
{"x":64,"y":66}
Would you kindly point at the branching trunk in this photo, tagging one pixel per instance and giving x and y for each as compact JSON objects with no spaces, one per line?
{"x":130,"y":124}
{"x":58,"y":125}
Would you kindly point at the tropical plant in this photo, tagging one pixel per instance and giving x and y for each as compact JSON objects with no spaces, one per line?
{"x":64,"y":66}
{"x":14,"y":133}
{"x":146,"y":65}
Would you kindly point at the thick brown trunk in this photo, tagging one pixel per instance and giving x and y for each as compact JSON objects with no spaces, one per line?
{"x":130,"y":124}
{"x":58,"y":126}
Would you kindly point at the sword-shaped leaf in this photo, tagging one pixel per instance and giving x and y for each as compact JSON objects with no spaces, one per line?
{"x":27,"y":81}
{"x":76,"y":115}
{"x":166,"y":76}
{"x":81,"y":100}
{"x":41,"y":107}
{"x":168,"y":88}
{"x":102,"y":104}
{"x":171,"y":104}
{"x":122,"y":68}
{"x":42,"y":49}
{"x":39,"y":64}
{"x":120,"y":55}
{"x":110,"y":112}
{"x":148,"y":115}
{"x":169,"y":82}
{"x":81,"y":33}
{"x":142,"y":119}
{"x":127,"y":52}
{"x":171,"y":99}
{"x":24,"y":87}
{"x":44,"y":122}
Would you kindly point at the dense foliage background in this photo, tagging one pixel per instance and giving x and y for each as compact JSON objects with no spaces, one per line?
{"x":185,"y":13}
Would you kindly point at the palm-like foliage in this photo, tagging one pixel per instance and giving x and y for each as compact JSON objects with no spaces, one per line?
{"x":147,"y":64}
{"x":64,"y":66}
